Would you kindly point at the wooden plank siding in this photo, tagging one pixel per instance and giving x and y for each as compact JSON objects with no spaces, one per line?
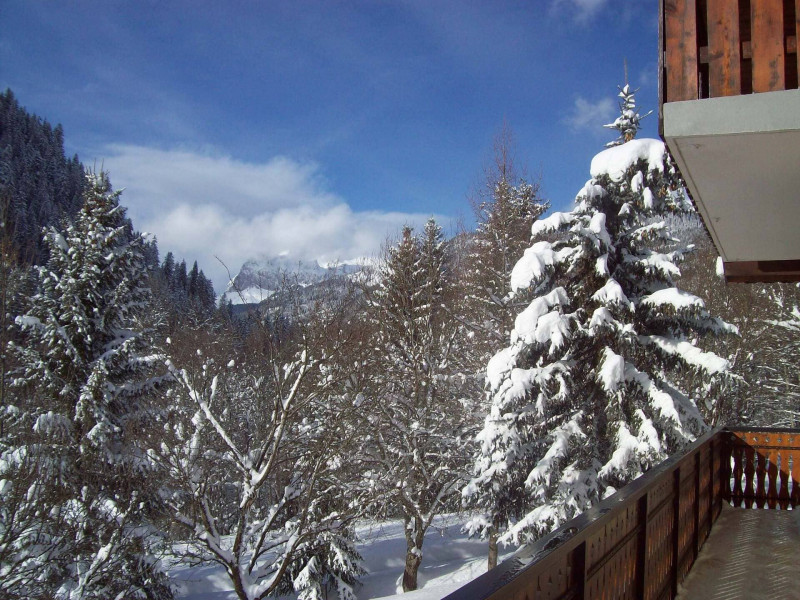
{"x":715,"y":48}
{"x":724,"y":58}
{"x":681,"y":61}
{"x":767,"y":45}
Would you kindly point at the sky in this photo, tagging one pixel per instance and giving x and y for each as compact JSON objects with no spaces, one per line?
{"x":240,"y":129}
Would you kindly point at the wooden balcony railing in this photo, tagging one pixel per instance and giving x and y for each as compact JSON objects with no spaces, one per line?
{"x":642,"y":541}
{"x":766,"y":468}
{"x":712,"y":48}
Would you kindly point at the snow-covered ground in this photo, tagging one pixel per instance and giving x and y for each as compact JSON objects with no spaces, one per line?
{"x":450,"y":559}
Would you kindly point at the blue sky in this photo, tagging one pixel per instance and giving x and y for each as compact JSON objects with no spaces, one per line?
{"x":319,"y":128}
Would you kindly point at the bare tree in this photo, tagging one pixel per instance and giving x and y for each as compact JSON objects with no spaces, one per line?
{"x":254,"y":451}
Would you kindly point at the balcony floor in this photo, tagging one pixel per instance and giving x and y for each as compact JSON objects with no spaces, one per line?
{"x":750,"y":554}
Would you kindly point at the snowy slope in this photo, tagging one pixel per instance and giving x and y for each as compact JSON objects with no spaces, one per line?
{"x":450,"y":559}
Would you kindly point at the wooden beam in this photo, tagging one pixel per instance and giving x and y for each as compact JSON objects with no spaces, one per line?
{"x":767,"y":42}
{"x":763,"y":271}
{"x":680,"y":31}
{"x":724,"y":70}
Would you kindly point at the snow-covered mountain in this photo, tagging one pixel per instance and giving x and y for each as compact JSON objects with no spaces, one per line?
{"x":261,"y":277}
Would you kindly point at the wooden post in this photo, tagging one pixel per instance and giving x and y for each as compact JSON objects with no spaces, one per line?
{"x":767,"y":44}
{"x":641,"y":549}
{"x":680,"y":32}
{"x":696,"y":507}
{"x":676,"y":529}
{"x":725,"y":467}
{"x":581,"y":554}
{"x":724,"y":58}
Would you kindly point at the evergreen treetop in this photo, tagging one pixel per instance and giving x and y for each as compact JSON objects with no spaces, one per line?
{"x":586,"y":396}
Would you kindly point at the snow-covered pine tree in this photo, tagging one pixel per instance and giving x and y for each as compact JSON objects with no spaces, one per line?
{"x":414,"y":412}
{"x":583,"y":398}
{"x":627,"y":123}
{"x":505,"y":211}
{"x":82,"y":378}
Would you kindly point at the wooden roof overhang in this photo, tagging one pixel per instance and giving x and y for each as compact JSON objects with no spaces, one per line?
{"x":729,"y":111}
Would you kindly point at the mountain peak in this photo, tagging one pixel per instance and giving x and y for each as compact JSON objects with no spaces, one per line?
{"x":261,"y":277}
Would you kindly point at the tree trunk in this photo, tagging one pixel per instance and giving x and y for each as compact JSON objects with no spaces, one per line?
{"x":492,"y":549}
{"x":413,"y":560}
{"x":414,"y":539}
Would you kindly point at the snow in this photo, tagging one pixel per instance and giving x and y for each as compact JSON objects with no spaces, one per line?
{"x":611,"y":293}
{"x":499,"y":365}
{"x":720,"y":268}
{"x":707,"y":361}
{"x":451,"y":560}
{"x":27,"y":321}
{"x":531,"y":267}
{"x":616,"y":161}
{"x":675,"y":298}
{"x":612,"y":370}
{"x":552,"y":223}
{"x":597,"y":225}
{"x":251,"y":295}
{"x":601,"y":266}
{"x":539,"y":323}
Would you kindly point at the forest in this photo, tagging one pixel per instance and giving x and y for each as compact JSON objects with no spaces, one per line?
{"x":514,"y":375}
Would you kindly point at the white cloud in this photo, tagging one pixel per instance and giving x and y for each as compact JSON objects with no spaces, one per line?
{"x":587,"y":115}
{"x":583,"y":9}
{"x":202,"y":206}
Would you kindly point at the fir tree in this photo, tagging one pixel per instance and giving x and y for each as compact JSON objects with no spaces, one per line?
{"x":585,"y":397}
{"x":505,"y":211}
{"x":627,"y":123}
{"x":84,"y":367}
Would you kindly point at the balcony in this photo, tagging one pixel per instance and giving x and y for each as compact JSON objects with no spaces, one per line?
{"x":730,"y":115}
{"x":643,"y":541}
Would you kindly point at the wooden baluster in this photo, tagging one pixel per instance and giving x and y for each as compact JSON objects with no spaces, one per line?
{"x":738,"y":469}
{"x":749,"y":471}
{"x":772,"y":474}
{"x":783,"y":495}
{"x":680,"y":32}
{"x":794,"y":498}
{"x":725,"y":468}
{"x":723,"y":48}
{"x":767,"y":44}
{"x":760,"y":460}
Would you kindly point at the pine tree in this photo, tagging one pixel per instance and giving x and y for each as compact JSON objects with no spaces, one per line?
{"x":168,"y":267}
{"x":505,"y":211}
{"x":84,"y":373}
{"x":627,"y":123}
{"x":585,"y":397}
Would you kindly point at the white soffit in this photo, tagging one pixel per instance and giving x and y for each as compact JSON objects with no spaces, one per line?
{"x":740,"y":157}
